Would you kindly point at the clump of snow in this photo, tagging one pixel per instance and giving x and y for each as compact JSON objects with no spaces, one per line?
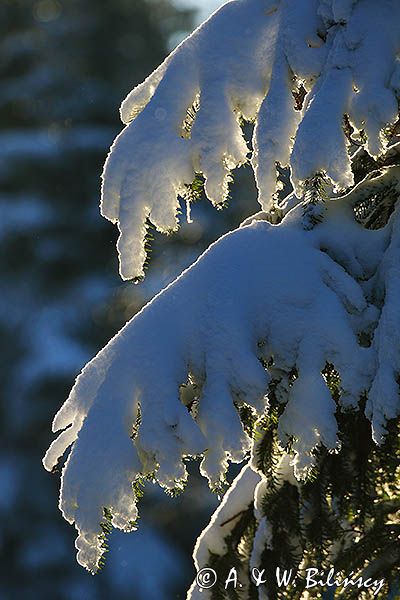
{"x":238,"y":498}
{"x":236,"y":501}
{"x":169,"y":384}
{"x":261,"y":282}
{"x":247,"y":491}
{"x":224,"y":66}
{"x":248,"y":61}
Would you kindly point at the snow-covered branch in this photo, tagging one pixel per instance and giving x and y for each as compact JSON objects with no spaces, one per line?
{"x":267,"y":303}
{"x":127,"y":414}
{"x":249,"y":61}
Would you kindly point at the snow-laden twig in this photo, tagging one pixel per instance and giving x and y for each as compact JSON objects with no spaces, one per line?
{"x":126,"y":415}
{"x":224,"y":68}
{"x":246,"y":62}
{"x":265,"y":299}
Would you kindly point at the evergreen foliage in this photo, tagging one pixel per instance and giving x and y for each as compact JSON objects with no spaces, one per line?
{"x":281,"y":343}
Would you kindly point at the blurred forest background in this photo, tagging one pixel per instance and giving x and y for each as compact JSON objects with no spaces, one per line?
{"x":65,"y":66}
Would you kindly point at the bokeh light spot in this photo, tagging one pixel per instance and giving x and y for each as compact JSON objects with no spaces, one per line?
{"x":47,"y":10}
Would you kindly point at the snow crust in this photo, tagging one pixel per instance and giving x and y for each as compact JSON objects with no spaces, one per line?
{"x":245,"y":63}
